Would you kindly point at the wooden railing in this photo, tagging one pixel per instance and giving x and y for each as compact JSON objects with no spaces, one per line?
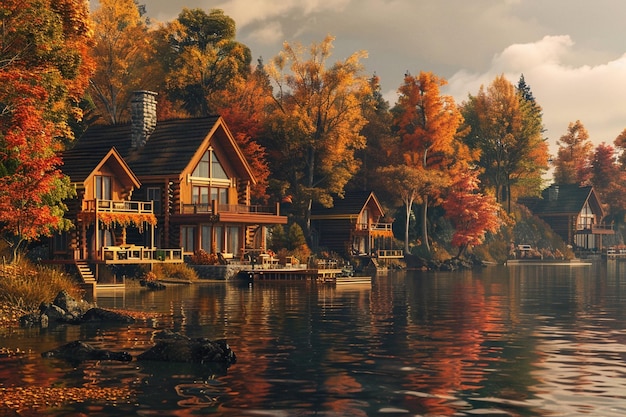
{"x":140,"y":254}
{"x":390,"y":253}
{"x":117,"y":206}
{"x":374,"y":226}
{"x":229,"y":208}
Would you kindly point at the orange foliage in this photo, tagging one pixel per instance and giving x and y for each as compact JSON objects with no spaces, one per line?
{"x":44,"y":72}
{"x":427,"y":121}
{"x":121,"y":219}
{"x":243,"y":109}
{"x":472,"y":213}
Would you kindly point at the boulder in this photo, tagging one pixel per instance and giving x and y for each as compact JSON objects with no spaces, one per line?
{"x":101,"y":314}
{"x":78,"y":351}
{"x":174,"y":347}
{"x":66,"y":309}
{"x":71,"y":305}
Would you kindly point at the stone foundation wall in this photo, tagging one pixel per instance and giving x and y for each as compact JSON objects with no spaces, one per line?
{"x":222,"y":272}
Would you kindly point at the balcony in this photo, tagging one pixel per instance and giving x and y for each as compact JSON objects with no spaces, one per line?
{"x":374,"y":227}
{"x":229,"y":208}
{"x":594,"y":229}
{"x":117,"y":206}
{"x":390,"y":253}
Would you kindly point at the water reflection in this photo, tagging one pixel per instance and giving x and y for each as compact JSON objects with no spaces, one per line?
{"x":518,"y":341}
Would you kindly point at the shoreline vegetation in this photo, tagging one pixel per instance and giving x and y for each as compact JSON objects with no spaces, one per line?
{"x":24,"y":286}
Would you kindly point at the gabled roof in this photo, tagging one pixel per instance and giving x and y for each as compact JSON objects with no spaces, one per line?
{"x":168,"y":152}
{"x":350,"y":205}
{"x":564,"y":199}
{"x":80,"y":167}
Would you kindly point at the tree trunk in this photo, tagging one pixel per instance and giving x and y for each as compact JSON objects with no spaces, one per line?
{"x":425,"y":223}
{"x":406,"y":227}
{"x":310,"y":179}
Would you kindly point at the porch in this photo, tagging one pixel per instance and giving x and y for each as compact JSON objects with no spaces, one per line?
{"x":132,"y":254}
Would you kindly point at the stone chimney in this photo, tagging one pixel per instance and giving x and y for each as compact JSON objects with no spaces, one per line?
{"x":143,"y":117}
{"x":553,"y":193}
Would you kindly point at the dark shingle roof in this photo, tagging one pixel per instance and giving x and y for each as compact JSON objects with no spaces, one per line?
{"x":352,"y":203}
{"x":168,"y":151}
{"x":559,"y":199}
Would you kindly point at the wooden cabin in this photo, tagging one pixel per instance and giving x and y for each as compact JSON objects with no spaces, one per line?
{"x":355,"y":226}
{"x":574,"y":213}
{"x":188,"y":178}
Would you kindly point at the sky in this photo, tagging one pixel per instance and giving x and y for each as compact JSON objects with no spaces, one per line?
{"x":572,"y":53}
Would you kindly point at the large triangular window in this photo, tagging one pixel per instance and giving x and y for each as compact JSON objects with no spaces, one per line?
{"x":209,"y":167}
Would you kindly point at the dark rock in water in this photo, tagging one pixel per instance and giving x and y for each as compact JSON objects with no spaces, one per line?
{"x":174,"y":347}
{"x":100,"y":314}
{"x":78,"y":351}
{"x":68,"y":303}
{"x":153,"y":285}
{"x":66,"y":309}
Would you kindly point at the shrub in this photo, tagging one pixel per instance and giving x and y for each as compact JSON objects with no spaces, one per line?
{"x":201,"y":257}
{"x":175,"y":271}
{"x":149,"y":276}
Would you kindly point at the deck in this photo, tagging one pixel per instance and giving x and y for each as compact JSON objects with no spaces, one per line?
{"x":131,"y":254}
{"x":269,"y":269}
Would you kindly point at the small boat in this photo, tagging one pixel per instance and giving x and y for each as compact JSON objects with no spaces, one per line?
{"x":351,"y":280}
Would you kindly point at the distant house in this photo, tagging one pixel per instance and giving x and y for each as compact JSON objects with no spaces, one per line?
{"x":188,"y":177}
{"x":574,"y":213}
{"x":354,"y":226}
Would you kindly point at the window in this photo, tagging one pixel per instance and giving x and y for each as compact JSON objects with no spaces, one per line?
{"x":154,"y":195}
{"x":219,"y":243}
{"x":209,"y":167}
{"x":188,"y":238}
{"x":232,"y":238}
{"x":206,"y":238}
{"x":585,"y":218}
{"x":223,"y":196}
{"x":60,"y":242}
{"x":103,"y":187}
{"x":216,"y":168}
{"x":200,"y":194}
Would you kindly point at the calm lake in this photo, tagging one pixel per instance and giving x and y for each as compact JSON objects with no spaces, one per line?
{"x":531,"y":340}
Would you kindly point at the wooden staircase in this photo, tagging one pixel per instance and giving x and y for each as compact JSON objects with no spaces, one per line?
{"x":252,"y":236}
{"x":85,"y":272}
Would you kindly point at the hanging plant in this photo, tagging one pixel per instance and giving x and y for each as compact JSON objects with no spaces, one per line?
{"x":127,"y":219}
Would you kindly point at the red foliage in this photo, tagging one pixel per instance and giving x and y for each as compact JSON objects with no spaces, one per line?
{"x":472,"y":213}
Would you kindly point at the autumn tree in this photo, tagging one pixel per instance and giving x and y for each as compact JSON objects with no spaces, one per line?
{"x":124,"y":54}
{"x":382,"y":144}
{"x":408,"y":183}
{"x":472,"y":213}
{"x":316,"y":125}
{"x":202,"y":58}
{"x":575,"y":150}
{"x":533,"y":146}
{"x":44,"y":70}
{"x":609,"y":180}
{"x":426,"y":122}
{"x":244,"y":107}
{"x":504,"y":124}
{"x":620,"y":145}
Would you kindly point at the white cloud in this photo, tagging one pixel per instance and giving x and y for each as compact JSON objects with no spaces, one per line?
{"x":268,"y":34}
{"x":593,"y":94}
{"x":246,"y":12}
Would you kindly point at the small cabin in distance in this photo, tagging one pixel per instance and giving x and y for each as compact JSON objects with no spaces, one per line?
{"x":574,"y":212}
{"x":356,"y":228}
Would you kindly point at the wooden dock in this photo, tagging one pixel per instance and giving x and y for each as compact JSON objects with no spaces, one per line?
{"x":289,"y":274}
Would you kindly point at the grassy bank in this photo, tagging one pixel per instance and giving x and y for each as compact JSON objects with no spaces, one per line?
{"x":24,"y":286}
